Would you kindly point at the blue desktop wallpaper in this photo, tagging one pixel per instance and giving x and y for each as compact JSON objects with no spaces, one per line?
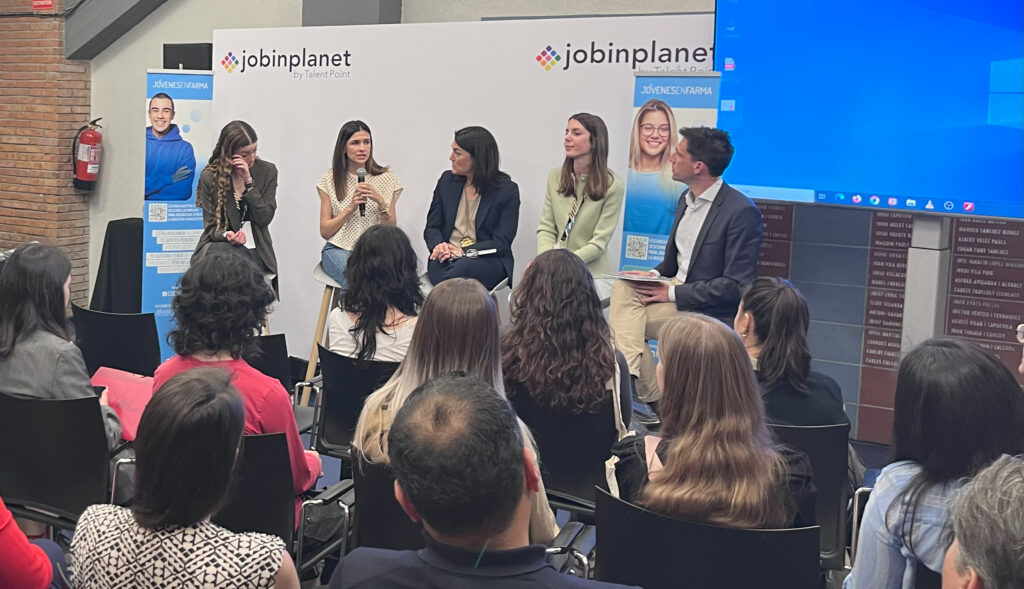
{"x":901,"y":105}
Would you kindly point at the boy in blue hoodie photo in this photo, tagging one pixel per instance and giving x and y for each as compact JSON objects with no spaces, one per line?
{"x":170,"y":160}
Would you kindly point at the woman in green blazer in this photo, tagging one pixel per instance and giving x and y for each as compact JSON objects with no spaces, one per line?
{"x":584,"y":198}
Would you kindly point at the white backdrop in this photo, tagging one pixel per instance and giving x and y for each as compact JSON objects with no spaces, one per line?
{"x":414,"y":85}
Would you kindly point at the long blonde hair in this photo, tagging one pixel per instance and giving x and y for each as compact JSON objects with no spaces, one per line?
{"x":665,"y":166}
{"x":457,"y":329}
{"x":234,"y":136}
{"x":722,"y":464}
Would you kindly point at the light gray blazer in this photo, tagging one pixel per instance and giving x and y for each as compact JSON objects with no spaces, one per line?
{"x":44,"y":366}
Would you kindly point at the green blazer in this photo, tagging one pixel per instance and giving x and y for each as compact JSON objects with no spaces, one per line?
{"x":594,"y":225}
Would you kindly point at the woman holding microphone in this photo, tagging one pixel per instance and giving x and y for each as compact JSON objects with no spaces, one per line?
{"x":355,"y":194}
{"x":584,"y":198}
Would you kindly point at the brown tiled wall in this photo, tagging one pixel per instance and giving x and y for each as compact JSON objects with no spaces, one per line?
{"x":44,"y":99}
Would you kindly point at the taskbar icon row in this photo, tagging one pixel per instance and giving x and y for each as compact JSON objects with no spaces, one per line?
{"x":902,"y":203}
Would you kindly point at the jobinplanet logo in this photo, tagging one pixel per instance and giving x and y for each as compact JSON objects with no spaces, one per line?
{"x":230,"y":62}
{"x":548,"y":57}
{"x":654,"y":57}
{"x":306,"y":63}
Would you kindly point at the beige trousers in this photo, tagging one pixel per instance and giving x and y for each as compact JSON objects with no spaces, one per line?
{"x":633,"y":323}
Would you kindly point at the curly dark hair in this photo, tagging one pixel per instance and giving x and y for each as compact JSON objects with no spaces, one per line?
{"x":221,"y":302}
{"x":381,"y":273}
{"x":559,"y":346}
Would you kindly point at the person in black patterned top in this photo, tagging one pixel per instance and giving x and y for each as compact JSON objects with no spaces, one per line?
{"x":186,"y":447}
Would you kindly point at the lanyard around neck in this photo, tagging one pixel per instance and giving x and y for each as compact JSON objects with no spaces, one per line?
{"x":577,"y":204}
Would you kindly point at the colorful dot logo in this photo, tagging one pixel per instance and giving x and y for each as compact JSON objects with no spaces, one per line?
{"x":230,"y":62}
{"x":548,"y":58}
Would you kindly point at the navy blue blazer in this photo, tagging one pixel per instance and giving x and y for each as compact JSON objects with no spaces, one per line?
{"x":724,"y":258}
{"x":497,"y":218}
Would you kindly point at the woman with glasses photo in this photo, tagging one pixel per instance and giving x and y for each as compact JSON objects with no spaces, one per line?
{"x":653,"y":194}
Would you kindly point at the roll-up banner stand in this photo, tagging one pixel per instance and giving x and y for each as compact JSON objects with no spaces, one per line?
{"x":663,"y":102}
{"x":178,"y":145}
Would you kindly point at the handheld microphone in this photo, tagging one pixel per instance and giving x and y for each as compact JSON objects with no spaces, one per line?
{"x":361,"y":175}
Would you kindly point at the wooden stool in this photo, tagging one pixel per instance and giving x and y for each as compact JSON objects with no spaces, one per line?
{"x":330,"y":287}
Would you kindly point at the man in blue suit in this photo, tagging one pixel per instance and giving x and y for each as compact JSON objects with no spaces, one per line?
{"x":711,"y":254}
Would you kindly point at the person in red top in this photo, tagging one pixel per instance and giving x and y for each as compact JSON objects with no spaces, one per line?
{"x":24,"y":564}
{"x":219,"y":309}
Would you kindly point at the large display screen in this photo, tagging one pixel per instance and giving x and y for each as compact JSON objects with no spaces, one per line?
{"x":911,"y":105}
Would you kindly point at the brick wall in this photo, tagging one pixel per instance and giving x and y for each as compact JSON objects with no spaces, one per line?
{"x":44,"y":99}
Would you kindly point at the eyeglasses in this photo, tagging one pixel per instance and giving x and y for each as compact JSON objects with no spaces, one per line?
{"x":648,"y":129}
{"x":1020,"y":333}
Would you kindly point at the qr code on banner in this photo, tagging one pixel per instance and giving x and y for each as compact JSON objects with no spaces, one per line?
{"x":636,"y":247}
{"x":157,"y":213}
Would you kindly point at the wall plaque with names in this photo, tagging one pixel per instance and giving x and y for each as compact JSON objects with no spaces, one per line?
{"x":986,"y":286}
{"x":891,"y":230}
{"x":777,"y":239}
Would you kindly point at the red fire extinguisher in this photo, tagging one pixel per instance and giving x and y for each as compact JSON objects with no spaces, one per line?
{"x":85,"y":151}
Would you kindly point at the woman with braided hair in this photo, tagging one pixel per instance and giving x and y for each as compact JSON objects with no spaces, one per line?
{"x":238,"y":194}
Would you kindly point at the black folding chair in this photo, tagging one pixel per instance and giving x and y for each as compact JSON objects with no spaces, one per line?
{"x":125,"y":341}
{"x":272,"y":360}
{"x":53,"y":458}
{"x":262,"y":499}
{"x":573,"y":449}
{"x":639,"y":547}
{"x":346,"y":384}
{"x":826,"y":447}
{"x":379,"y":520}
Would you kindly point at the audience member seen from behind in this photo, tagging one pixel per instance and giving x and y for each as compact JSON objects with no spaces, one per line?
{"x":463,"y":469}
{"x":772,"y":321}
{"x":376,"y":315}
{"x":987,"y":521}
{"x":237,"y":187}
{"x":475,"y":208}
{"x":584,"y":198}
{"x":26,"y":564}
{"x":558,"y":354}
{"x":37,"y":358}
{"x":957,"y":408}
{"x":351,"y":203}
{"x":715,"y":460}
{"x":220,"y":306}
{"x":187,"y":446}
{"x":457,"y":330}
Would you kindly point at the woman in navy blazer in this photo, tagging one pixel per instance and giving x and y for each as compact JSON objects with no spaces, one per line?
{"x":486,"y":200}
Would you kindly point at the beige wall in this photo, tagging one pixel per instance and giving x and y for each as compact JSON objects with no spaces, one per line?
{"x":420,"y":11}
